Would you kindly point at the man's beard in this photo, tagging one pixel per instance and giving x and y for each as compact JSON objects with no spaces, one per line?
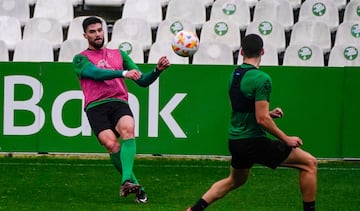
{"x":97,"y":45}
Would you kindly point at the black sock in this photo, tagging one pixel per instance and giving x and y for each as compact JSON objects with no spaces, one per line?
{"x":309,"y":206}
{"x":200,"y":205}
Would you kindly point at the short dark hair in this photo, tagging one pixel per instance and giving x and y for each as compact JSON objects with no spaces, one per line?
{"x":252,"y":44}
{"x":90,"y":20}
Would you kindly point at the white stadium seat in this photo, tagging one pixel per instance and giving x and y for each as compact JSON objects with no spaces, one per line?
{"x":213,"y":53}
{"x":61,"y":10}
{"x":16,"y":8}
{"x":191,"y":10}
{"x":168,"y":28}
{"x":300,"y":55}
{"x":36,"y":50}
{"x":150,"y":11}
{"x":131,"y":47}
{"x":10,"y":28}
{"x":69,"y":48}
{"x":344,"y":55}
{"x":160,"y":48}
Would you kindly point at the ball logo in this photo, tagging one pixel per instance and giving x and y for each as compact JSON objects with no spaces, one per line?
{"x":126,"y":46}
{"x":355,"y":30}
{"x":265,"y":28}
{"x":221,"y":28}
{"x":229,"y":9}
{"x":350,"y":53}
{"x":305,"y":53}
{"x":319,"y":9}
{"x":176,"y":27}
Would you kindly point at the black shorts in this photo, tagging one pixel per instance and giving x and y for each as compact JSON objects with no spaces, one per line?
{"x":105,"y":116}
{"x":246,"y":152}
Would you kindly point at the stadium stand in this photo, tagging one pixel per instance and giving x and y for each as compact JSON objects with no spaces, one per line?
{"x":150,"y":11}
{"x":10,"y":31}
{"x":344,"y":55}
{"x":16,"y":8}
{"x":280,"y":11}
{"x":270,"y":31}
{"x":213,"y":53}
{"x":299,"y":55}
{"x":133,"y":48}
{"x":4,"y":52}
{"x":45,"y":28}
{"x":320,"y":10}
{"x":33,"y":50}
{"x":61,"y":10}
{"x":310,"y":32}
{"x":161,"y":48}
{"x":168,"y":28}
{"x":270,"y":57}
{"x":221,"y":32}
{"x":351,"y":11}
{"x":69,"y":48}
{"x":237,"y":11}
{"x":348,"y":33}
{"x":133,"y":29}
{"x":339,"y":15}
{"x":104,"y":2}
{"x":191,"y":10}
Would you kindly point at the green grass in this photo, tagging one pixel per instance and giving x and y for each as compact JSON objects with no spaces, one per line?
{"x":45,"y":183}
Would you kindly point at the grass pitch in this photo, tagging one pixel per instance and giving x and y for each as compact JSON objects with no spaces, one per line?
{"x":47,"y":183}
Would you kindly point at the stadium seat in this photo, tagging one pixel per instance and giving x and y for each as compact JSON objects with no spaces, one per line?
{"x":46,"y":28}
{"x":4,"y":52}
{"x":191,"y":10}
{"x":237,"y":11}
{"x":69,"y":48}
{"x":161,"y":48}
{"x":300,"y":55}
{"x":270,"y":31}
{"x":31,"y":2}
{"x":16,"y":8}
{"x":270,"y":57}
{"x":168,"y":28}
{"x":133,"y":29}
{"x":344,"y":55}
{"x":207,"y":3}
{"x":340,"y":4}
{"x":76,"y":31}
{"x":10,"y":28}
{"x":213,"y":53}
{"x":164,"y":2}
{"x":221,"y":32}
{"x":348,"y":33}
{"x":280,"y":11}
{"x":251,"y":3}
{"x":310,"y":32}
{"x":61,"y":10}
{"x":351,"y":11}
{"x":116,"y":3}
{"x":77,"y":2}
{"x":295,"y":4}
{"x":131,"y":47}
{"x":150,"y":11}
{"x":320,"y":10}
{"x":36,"y":50}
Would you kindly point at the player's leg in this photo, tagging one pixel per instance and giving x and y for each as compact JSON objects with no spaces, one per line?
{"x":220,"y":188}
{"x":307,"y":164}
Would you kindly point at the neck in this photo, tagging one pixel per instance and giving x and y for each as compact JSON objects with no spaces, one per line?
{"x":253,"y":61}
{"x":90,"y":47}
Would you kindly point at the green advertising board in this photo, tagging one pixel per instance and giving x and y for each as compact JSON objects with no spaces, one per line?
{"x":186,"y":111}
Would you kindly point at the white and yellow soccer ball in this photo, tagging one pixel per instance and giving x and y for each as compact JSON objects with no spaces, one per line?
{"x":185,"y":43}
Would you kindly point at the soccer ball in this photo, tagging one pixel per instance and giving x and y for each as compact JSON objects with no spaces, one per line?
{"x":185,"y":43}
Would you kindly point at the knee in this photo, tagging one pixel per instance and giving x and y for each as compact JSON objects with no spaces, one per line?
{"x":312,"y":164}
{"x":112,"y":146}
{"x":127,"y":132}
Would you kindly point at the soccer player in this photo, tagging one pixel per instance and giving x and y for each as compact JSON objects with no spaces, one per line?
{"x":101,"y":72}
{"x":249,"y":93}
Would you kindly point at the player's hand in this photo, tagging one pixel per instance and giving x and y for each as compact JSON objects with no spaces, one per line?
{"x":294,"y":141}
{"x":276,"y":113}
{"x":163,"y":63}
{"x":133,"y":74}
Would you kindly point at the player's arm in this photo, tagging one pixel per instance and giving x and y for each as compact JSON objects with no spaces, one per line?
{"x":146,"y":78}
{"x":85,"y":69}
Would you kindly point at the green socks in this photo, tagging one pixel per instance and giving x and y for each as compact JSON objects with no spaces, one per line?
{"x":127,"y":156}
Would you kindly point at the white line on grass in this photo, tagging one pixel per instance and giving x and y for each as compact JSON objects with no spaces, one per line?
{"x":166,"y":166}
